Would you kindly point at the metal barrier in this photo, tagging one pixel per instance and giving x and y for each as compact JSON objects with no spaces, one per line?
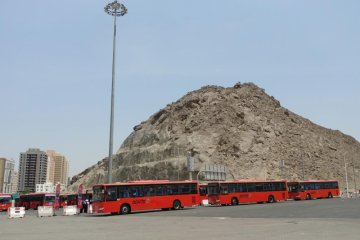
{"x":70,"y":210}
{"x":45,"y":211}
{"x":16,"y":212}
{"x":90,"y":209}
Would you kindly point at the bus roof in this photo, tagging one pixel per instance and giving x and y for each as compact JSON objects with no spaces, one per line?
{"x":311,"y":180}
{"x":249,"y":181}
{"x":5,"y":195}
{"x":37,"y":193}
{"x":144,"y":182}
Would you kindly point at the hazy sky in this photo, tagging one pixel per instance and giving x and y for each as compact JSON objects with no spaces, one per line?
{"x":55,"y":65}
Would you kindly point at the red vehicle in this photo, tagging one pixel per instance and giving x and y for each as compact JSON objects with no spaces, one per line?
{"x":5,"y":201}
{"x":247,"y":191}
{"x":311,"y":189}
{"x":67,"y":200}
{"x":71,"y":199}
{"x":34,"y":200}
{"x":124,"y":198}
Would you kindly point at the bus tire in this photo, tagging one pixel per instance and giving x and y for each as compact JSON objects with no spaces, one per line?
{"x":271,"y":199}
{"x":330,"y":195}
{"x":308,"y":196}
{"x":176,"y":205}
{"x":234,"y":201}
{"x":125,"y":209}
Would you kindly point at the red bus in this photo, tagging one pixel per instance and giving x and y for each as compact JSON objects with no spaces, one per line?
{"x":5,"y":201}
{"x":124,"y":198}
{"x":246,"y":191}
{"x":311,"y":189}
{"x":72,"y":198}
{"x":34,"y":200}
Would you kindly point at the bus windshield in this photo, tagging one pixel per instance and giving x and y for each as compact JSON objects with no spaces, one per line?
{"x":49,"y":198}
{"x":98,"y":194}
{"x":294,"y":187}
{"x":5,"y":199}
{"x":203,"y":190}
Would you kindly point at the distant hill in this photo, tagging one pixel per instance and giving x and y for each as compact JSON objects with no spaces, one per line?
{"x":241,"y":127}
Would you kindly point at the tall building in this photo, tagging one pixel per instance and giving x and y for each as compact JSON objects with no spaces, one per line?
{"x":2,"y":171}
{"x":32,"y":169}
{"x":61,"y":171}
{"x":14,"y":182}
{"x":51,"y":166}
{"x":6,"y":172}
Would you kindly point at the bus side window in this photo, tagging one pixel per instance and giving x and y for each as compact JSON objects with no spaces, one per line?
{"x":168,"y":190}
{"x":133,"y":192}
{"x":111,"y":193}
{"x":136,"y":191}
{"x":242,"y":187}
{"x":149,"y":190}
{"x":174,"y":189}
{"x":159,"y":190}
{"x":251,"y":187}
{"x":123,"y":192}
{"x":193,"y":188}
{"x":233,"y":187}
{"x":184,"y":188}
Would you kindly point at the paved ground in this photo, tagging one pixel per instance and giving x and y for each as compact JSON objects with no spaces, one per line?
{"x":316,"y":219}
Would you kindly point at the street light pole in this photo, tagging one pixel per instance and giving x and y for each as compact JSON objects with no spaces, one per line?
{"x":302,"y":166}
{"x":354,"y":176}
{"x":346,"y":179}
{"x":115,"y":9}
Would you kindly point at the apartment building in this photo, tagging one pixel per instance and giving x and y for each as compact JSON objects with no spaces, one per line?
{"x":32,"y":169}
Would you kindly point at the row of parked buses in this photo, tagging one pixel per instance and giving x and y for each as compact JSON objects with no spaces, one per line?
{"x":34,"y":200}
{"x":124,"y":198}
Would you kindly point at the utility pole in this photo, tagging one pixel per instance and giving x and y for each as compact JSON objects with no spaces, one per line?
{"x":190,"y":165}
{"x":282,"y":164}
{"x":346,"y":179}
{"x":302,"y":166}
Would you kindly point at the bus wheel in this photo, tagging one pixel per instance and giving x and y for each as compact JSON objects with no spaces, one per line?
{"x":271,"y":199}
{"x":125,"y":209}
{"x":234,"y":201}
{"x":308,"y":196}
{"x":330,"y":195}
{"x":176,"y":205}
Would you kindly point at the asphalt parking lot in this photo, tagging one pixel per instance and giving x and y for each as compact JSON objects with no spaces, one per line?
{"x":315,"y":219}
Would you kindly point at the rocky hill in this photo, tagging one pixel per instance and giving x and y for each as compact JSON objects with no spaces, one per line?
{"x":240,"y":127}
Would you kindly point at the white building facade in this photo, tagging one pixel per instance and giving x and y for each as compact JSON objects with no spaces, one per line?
{"x":49,"y":187}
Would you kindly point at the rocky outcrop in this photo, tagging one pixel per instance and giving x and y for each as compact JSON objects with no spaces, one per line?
{"x":241,"y":127}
